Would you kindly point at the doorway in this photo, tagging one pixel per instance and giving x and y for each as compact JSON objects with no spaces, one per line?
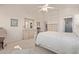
{"x":68,"y":24}
{"x":28,"y":32}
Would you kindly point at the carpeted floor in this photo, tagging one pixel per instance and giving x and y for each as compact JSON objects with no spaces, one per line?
{"x":28,"y":47}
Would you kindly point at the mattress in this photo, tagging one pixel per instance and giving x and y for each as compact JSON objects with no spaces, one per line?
{"x":59,"y":42}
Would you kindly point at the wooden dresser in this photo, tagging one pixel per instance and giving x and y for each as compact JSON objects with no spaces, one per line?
{"x":3,"y":34}
{"x":2,"y":42}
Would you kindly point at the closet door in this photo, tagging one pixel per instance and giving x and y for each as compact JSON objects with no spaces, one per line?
{"x":68,"y":24}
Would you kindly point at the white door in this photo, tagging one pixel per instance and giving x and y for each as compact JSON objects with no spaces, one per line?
{"x":28,"y":32}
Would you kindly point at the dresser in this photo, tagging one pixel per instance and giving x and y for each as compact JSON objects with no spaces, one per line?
{"x":3,"y":34}
{"x":2,"y":42}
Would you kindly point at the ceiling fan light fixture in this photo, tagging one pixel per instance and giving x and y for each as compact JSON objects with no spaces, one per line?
{"x":45,"y":8}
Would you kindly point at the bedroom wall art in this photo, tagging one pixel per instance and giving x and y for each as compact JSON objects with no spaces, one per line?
{"x":14,"y":22}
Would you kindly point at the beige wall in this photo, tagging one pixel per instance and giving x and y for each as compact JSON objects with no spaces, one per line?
{"x":67,"y":12}
{"x":31,"y":11}
{"x":76,"y":24}
{"x":13,"y":11}
{"x":61,"y":12}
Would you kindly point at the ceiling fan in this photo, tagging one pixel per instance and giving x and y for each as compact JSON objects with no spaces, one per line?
{"x":45,"y":8}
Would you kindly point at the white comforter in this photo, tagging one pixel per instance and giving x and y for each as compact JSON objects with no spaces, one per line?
{"x":59,"y":42}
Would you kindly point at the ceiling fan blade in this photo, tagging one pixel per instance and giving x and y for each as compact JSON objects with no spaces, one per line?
{"x":51,"y":7}
{"x":46,"y":5}
{"x":45,"y":8}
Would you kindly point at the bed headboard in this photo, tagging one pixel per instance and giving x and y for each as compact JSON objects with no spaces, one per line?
{"x":52,"y":27}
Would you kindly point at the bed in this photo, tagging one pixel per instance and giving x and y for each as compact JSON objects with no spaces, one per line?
{"x":59,"y":42}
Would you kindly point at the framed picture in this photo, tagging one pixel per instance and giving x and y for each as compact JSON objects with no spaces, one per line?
{"x":14,"y":23}
{"x":38,"y":24}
